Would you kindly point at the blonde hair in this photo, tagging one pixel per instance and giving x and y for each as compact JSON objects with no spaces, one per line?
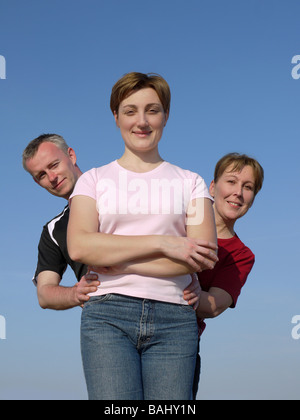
{"x":236,"y":162}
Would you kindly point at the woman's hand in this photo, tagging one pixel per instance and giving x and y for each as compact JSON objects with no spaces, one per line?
{"x":198,"y":254}
{"x":192,"y":293}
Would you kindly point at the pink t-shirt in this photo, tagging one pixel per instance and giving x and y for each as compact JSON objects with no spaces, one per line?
{"x":151,"y":203}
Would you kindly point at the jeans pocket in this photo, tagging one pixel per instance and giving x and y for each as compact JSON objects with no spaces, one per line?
{"x":97,"y":299}
{"x":188,"y":310}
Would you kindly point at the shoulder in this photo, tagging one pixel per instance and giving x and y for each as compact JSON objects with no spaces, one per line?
{"x":184,"y":173}
{"x":58,"y":223}
{"x":191,"y":180}
{"x":62,"y":215}
{"x":99,"y":171}
{"x":235,"y":264}
{"x":193,"y":183}
{"x":237,"y":250}
{"x":93,"y":175}
{"x":88,"y":181}
{"x":242,"y":248}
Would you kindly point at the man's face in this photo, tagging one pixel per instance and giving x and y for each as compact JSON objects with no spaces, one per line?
{"x":53,"y":170}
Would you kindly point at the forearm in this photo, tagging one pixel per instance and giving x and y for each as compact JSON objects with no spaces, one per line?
{"x":204,"y":233}
{"x":100,"y":249}
{"x":89,"y":246}
{"x":158,"y":267}
{"x":213,"y":303}
{"x":53,"y":296}
{"x":207,"y":306}
{"x":56,"y":297}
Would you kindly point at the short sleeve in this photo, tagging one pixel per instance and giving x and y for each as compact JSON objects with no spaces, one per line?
{"x":200,"y":189}
{"x":231,"y":271}
{"x":86,"y":185}
{"x":50,"y":257}
{"x":233,"y":275}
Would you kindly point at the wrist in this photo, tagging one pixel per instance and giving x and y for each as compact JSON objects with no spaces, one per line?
{"x":73,"y":297}
{"x":162,"y":247}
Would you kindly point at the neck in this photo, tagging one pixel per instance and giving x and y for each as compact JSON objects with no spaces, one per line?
{"x":78,"y":173}
{"x":225,"y":228}
{"x":140,"y":162}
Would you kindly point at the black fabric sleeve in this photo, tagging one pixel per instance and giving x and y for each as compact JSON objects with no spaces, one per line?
{"x":50,"y":257}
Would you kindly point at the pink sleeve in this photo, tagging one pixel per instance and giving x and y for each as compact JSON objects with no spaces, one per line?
{"x":200,"y":189}
{"x":86,"y":185}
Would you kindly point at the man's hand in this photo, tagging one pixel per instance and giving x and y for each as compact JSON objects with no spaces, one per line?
{"x":53,"y":296}
{"x":88,"y":284}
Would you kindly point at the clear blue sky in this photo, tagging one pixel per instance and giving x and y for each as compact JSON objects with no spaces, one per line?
{"x":229,"y":67}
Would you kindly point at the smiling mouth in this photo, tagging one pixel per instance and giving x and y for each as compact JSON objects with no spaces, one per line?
{"x":232,"y":204}
{"x":142,"y":133}
{"x":59,"y":184}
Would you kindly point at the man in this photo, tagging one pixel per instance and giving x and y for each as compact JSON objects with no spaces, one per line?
{"x":53,"y":166}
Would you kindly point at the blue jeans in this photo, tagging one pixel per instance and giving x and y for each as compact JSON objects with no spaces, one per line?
{"x":138,"y":349}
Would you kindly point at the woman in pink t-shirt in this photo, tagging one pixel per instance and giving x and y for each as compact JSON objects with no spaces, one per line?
{"x":139,"y":336}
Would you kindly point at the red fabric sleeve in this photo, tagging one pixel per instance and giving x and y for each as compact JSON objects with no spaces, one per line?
{"x":231,"y":272}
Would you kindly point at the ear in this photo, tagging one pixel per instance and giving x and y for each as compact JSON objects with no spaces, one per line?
{"x":212,"y":189}
{"x":72,"y":155}
{"x":116,"y":118}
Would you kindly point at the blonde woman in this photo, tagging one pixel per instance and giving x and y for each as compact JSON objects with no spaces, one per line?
{"x":237,"y":180}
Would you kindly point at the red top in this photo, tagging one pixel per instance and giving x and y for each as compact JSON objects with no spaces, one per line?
{"x":231,"y":271}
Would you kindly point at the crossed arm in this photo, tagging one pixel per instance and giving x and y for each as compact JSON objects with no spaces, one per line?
{"x":172,"y":255}
{"x":146,"y":255}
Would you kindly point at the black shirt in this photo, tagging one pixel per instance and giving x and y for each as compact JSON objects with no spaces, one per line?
{"x":53,"y":253}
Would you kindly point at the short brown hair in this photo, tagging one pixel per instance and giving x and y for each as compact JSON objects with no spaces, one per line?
{"x":132,"y":82}
{"x":236,"y":162}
